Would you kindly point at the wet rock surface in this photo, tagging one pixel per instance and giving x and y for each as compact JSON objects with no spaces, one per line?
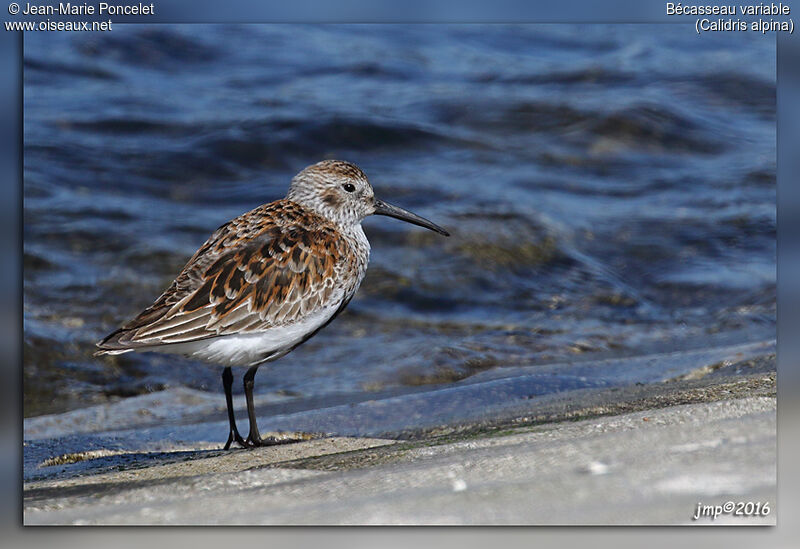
{"x":627,"y":454}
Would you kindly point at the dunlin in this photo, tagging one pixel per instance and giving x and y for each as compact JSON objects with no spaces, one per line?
{"x":266,"y":281}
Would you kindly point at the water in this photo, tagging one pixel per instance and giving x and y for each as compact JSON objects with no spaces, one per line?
{"x":610,"y":190}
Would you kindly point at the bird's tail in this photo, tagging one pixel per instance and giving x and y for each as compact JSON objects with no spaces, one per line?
{"x":111,"y":351}
{"x":116,"y":343}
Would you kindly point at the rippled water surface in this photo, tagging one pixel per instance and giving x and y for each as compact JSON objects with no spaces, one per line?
{"x":610,"y":190}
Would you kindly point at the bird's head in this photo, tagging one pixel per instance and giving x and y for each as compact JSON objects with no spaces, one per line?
{"x":340,"y":192}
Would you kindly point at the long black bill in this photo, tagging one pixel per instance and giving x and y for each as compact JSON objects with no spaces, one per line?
{"x":384,"y":208}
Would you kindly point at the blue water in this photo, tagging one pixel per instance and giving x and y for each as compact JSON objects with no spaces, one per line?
{"x":610,"y":190}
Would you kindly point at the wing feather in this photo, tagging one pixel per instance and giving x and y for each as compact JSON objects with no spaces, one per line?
{"x":249,"y":276}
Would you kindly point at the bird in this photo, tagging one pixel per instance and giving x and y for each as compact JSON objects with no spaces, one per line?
{"x":266,"y":281}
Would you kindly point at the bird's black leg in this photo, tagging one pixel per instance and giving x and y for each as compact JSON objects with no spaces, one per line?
{"x":254,"y":438}
{"x":233,"y":434}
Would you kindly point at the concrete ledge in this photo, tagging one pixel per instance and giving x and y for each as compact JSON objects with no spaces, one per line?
{"x":651,"y":466}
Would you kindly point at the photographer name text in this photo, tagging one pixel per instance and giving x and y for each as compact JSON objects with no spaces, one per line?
{"x":103,"y":8}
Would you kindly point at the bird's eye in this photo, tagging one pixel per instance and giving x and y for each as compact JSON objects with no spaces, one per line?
{"x":349,"y":187}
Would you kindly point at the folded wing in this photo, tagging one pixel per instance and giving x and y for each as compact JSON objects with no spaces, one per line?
{"x":242,"y":280}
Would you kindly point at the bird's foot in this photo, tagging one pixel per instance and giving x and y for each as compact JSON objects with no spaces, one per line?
{"x":253,"y":440}
{"x":234,"y":435}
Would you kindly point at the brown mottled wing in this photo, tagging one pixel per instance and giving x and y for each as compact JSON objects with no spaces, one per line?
{"x":237,"y":287}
